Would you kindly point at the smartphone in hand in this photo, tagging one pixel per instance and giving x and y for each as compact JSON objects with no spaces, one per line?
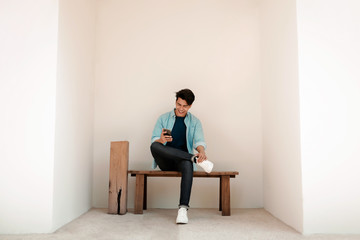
{"x":167,"y":132}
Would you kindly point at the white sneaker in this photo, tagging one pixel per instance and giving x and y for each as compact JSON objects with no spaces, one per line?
{"x":206,"y":165}
{"x":182,"y":216}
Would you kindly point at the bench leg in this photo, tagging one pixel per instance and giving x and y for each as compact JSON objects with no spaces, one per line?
{"x":225,"y":195}
{"x":145,"y":192}
{"x":220,"y":193}
{"x":139,"y":194}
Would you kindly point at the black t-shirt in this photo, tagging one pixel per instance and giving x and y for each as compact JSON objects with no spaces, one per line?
{"x":178,"y":134}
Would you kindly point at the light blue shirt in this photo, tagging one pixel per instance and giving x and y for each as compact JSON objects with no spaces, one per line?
{"x":194,"y":131}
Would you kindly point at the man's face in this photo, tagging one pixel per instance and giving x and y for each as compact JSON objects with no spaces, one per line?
{"x":181,"y":107}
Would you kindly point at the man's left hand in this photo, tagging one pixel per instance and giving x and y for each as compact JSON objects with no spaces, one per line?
{"x":201,"y":157}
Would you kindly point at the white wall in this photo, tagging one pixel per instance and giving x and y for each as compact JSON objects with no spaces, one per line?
{"x":46,"y":141}
{"x":329,"y":36}
{"x":74,"y":111}
{"x":280,"y":111}
{"x":147,"y":50}
{"x":28,"y":47}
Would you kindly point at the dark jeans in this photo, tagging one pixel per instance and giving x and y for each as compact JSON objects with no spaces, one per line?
{"x":172,"y":159}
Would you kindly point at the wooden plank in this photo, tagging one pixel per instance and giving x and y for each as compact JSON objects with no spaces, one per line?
{"x":118,"y":177}
{"x":225,"y":195}
{"x":158,"y":173}
{"x":139,"y":194}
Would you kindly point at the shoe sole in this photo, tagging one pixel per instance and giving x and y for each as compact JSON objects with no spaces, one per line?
{"x":181,"y":222}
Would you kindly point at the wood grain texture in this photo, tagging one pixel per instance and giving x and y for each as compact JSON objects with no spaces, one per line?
{"x":118,"y":177}
{"x":225,"y":195}
{"x":158,"y":173}
{"x":141,"y":186}
{"x":139,"y":194}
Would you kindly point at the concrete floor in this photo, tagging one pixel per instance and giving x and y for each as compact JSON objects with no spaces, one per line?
{"x":160,"y":224}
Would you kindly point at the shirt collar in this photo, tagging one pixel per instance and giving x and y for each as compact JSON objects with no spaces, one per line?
{"x":172,"y":114}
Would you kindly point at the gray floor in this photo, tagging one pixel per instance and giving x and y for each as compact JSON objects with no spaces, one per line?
{"x":160,"y":224}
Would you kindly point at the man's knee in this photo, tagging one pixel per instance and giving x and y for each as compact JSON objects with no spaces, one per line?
{"x":155,"y":146}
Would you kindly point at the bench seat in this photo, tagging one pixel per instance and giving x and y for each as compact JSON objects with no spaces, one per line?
{"x":141,"y":186}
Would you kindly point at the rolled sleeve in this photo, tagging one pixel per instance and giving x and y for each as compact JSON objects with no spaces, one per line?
{"x":200,"y":144}
{"x":199,"y":139}
{"x":157,"y":130}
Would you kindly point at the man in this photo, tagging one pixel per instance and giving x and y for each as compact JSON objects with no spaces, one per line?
{"x":175,"y":136}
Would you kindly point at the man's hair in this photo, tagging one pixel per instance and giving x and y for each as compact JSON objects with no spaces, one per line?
{"x":187,"y":95}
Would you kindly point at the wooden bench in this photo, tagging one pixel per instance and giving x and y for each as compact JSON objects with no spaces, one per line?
{"x":141,"y":187}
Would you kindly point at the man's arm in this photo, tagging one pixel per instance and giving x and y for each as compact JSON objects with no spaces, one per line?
{"x":201,"y":155}
{"x":200,"y":144}
{"x":158,"y":133}
{"x":199,"y":139}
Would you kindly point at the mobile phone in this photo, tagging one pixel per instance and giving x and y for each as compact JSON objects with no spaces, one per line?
{"x":167,"y":132}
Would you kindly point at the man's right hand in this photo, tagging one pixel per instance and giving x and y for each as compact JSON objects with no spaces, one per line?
{"x":164,"y":138}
